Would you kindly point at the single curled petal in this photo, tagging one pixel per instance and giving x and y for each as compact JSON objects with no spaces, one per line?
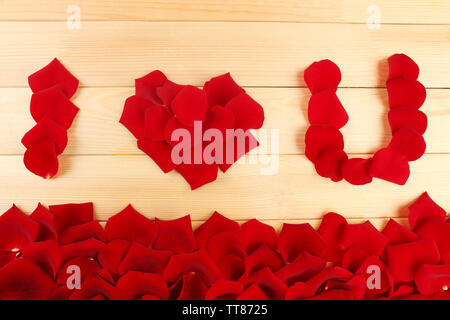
{"x":146,"y":86}
{"x":41,"y":159}
{"x":133,"y":115}
{"x":53,"y":74}
{"x":324,"y":108}
{"x":423,"y":208}
{"x":408,"y":142}
{"x":221,"y":89}
{"x":404,"y":117}
{"x":175,"y":235}
{"x":329,"y":163}
{"x":402,"y":66}
{"x":134,"y":285}
{"x":390,"y":165}
{"x":357,"y":171}
{"x":248,"y":114}
{"x":318,"y":138}
{"x":190,"y":105}
{"x":322,"y":75}
{"x":71,"y":214}
{"x":331,"y":229}
{"x":405,"y":92}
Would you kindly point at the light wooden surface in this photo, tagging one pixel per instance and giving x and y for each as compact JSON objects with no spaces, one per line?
{"x":266,"y":45}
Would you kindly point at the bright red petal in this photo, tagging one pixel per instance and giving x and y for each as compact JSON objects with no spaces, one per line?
{"x":221,"y":89}
{"x":248,"y":114}
{"x":357,"y":171}
{"x":318,"y":138}
{"x":134,"y":285}
{"x":175,"y":235}
{"x":390,"y":165}
{"x":255,"y":233}
{"x":146,"y":86}
{"x":406,"y":93}
{"x":423,"y":208}
{"x":400,"y":65}
{"x":133,"y":115}
{"x":190,"y":105}
{"x":17,"y":230}
{"x":409,"y":143}
{"x":71,"y":214}
{"x":45,"y":254}
{"x":215,"y":224}
{"x":159,"y":151}
{"x":324,"y":108}
{"x":403,"y":117}
{"x":322,"y":75}
{"x":41,"y":159}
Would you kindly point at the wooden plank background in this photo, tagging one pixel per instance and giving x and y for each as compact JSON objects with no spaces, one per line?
{"x":266,"y":45}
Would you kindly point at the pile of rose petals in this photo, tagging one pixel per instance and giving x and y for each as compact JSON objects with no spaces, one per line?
{"x":160,"y":106}
{"x":325,"y":144}
{"x":51,"y":108}
{"x":134,"y":257}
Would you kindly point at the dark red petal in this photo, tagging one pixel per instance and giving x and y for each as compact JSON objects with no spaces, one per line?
{"x":364,"y":236}
{"x":401,"y":117}
{"x":324,"y":108}
{"x":41,"y":159}
{"x":224,"y":289}
{"x":221,"y":89}
{"x":130,"y":225}
{"x":112,"y":255}
{"x":409,"y":143}
{"x":46,"y":129}
{"x":261,"y":258}
{"x":198,"y":262}
{"x":167,"y":92}
{"x":248,"y":114}
{"x":159,"y":151}
{"x":356,"y":285}
{"x":198,"y":175}
{"x":334,"y":294}
{"x":220,"y":118}
{"x":253,"y":292}
{"x":81,"y":232}
{"x":71,"y":214}
{"x":88,"y":266}
{"x":86,"y":248}
{"x":431,"y":279}
{"x":94,"y":288}
{"x":17,"y":230}
{"x":45,"y":254}
{"x":190,"y":105}
{"x":403,"y":260}
{"x":296,"y":238}
{"x":237,"y":145}
{"x":272,"y":286}
{"x":23,"y":280}
{"x":53,"y":74}
{"x":193,"y":287}
{"x":400,"y":65}
{"x":134,"y":285}
{"x":436,"y":230}
{"x":140,"y":258}
{"x":52,"y":103}
{"x":223,"y":244}
{"x":331,"y":229}
{"x":353,"y":258}
{"x":318,"y":138}
{"x":329,"y":162}
{"x":301,"y":269}
{"x":423,"y":208}
{"x":322,"y":75}
{"x":146,"y":86}
{"x":47,"y":229}
{"x":385,"y":281}
{"x":357,"y":171}
{"x":255,"y":233}
{"x":133,"y":115}
{"x":404,"y":92}
{"x":215,"y":224}
{"x":156,"y":118}
{"x":175,"y":235}
{"x":402,"y":292}
{"x":397,"y":233}
{"x":173,"y":125}
{"x":7,"y":256}
{"x":60,"y":293}
{"x":390,"y":165}
{"x":231,"y":266}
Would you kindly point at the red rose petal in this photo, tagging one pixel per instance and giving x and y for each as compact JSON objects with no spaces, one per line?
{"x":88,"y":266}
{"x":255,"y":233}
{"x":273,"y":287}
{"x":324,"y":108}
{"x":130,"y":225}
{"x":436,"y":230}
{"x":175,"y":235}
{"x":41,"y":159}
{"x":134,"y":285}
{"x":72,"y":214}
{"x":331,"y":229}
{"x":23,"y":280}
{"x":334,"y":294}
{"x":253,"y":292}
{"x":390,"y":165}
{"x":405,"y":259}
{"x":248,"y":114}
{"x":401,"y":117}
{"x":318,"y":138}
{"x":303,"y":268}
{"x":224,"y":289}
{"x":405,"y":92}
{"x":45,"y":254}
{"x":322,"y":75}
{"x":409,"y":143}
{"x":53,"y":74}
{"x":402,"y":292}
{"x":112,"y":255}
{"x":133,"y":115}
{"x":94,"y":288}
{"x":173,"y":125}
{"x":159,"y":151}
{"x":400,"y":65}
{"x":353,"y":258}
{"x":237,"y":146}
{"x":215,"y":224}
{"x":432,"y":279}
{"x":423,"y":208}
{"x":53,"y":104}
{"x":296,"y":238}
{"x":219,"y":118}
{"x":231,"y":266}
{"x":365,"y":270}
{"x":364,"y":236}
{"x":398,"y":234}
{"x":193,"y":287}
{"x":17,"y":230}
{"x":329,"y":162}
{"x":167,"y":92}
{"x":86,"y":248}
{"x":198,"y":175}
{"x":357,"y":171}
{"x":156,"y":118}
{"x":146,"y":86}
{"x":6,"y":257}
{"x":46,"y":129}
{"x":223,"y":244}
{"x":190,"y":105}
{"x":140,"y":258}
{"x":81,"y":232}
{"x":221,"y":89}
{"x":47,"y":229}
{"x":356,"y":285}
{"x":261,"y":258}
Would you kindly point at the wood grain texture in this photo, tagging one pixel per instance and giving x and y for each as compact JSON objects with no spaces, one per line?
{"x":258,"y":54}
{"x":400,"y":11}
{"x":295,"y":191}
{"x":96,"y":129}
